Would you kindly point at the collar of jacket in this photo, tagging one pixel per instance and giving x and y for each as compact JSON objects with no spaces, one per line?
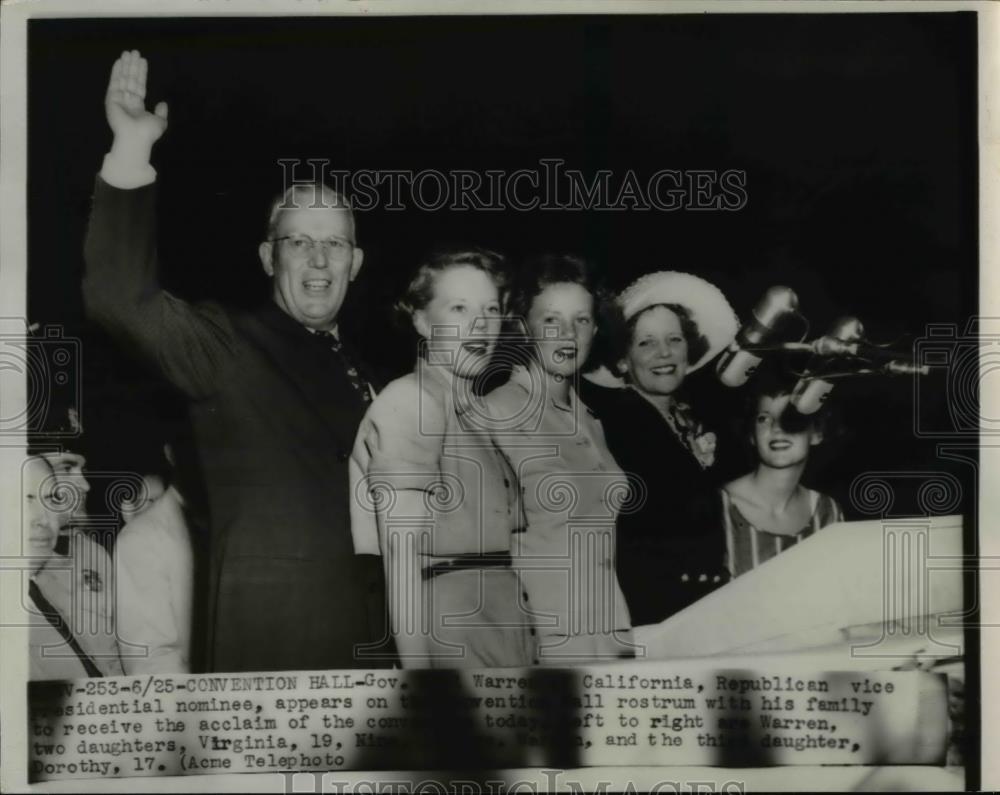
{"x":279,"y":320}
{"x":529,"y":380}
{"x":443,"y":380}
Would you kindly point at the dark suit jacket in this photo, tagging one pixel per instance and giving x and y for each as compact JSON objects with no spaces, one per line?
{"x":670,"y":533}
{"x":274,"y":418}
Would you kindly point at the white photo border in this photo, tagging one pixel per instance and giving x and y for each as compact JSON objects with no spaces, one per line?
{"x":13,"y":248}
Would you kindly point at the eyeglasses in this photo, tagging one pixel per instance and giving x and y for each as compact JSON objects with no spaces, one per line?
{"x":336,"y":248}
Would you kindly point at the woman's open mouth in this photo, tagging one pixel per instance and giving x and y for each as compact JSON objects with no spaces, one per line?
{"x":664,"y":369}
{"x":779,"y":444}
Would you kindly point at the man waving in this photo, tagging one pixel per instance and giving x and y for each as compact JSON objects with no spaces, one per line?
{"x":275,"y":398}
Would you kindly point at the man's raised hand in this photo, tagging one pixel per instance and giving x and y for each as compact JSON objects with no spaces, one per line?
{"x":134,"y":127}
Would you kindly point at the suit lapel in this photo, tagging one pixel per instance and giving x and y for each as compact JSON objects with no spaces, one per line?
{"x":655,"y":425}
{"x":313,"y":370}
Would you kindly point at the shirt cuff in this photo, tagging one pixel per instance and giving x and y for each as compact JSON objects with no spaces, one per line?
{"x":124,"y":175}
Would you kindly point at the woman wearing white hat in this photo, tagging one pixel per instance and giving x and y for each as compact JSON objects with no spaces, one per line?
{"x":670,"y":545}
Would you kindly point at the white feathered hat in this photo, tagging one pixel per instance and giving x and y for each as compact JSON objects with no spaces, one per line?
{"x":705,"y":302}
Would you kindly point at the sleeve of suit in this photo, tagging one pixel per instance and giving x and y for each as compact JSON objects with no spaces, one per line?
{"x":403,"y":438}
{"x":147,"y":625}
{"x":121,"y":291}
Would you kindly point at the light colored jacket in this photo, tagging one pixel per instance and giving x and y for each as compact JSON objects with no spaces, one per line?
{"x":422,"y":434}
{"x":571,"y":490}
{"x":155,"y":566}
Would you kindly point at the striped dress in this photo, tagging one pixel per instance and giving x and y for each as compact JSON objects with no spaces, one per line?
{"x":747,"y":547}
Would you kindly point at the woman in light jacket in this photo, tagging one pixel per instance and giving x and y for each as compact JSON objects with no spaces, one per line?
{"x":570,"y":486}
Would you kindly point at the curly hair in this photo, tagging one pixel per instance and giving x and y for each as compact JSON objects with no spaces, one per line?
{"x":533,"y":277}
{"x":770,"y":382}
{"x":420,"y":290}
{"x":621,"y":334}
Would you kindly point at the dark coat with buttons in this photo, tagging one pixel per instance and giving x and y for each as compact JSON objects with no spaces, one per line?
{"x":671,"y":542}
{"x":274,"y":416}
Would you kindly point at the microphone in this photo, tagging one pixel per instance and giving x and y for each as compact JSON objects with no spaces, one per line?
{"x":833,"y":346}
{"x":738,"y":362}
{"x":829,"y":346}
{"x":897,"y":367}
{"x":812,"y":391}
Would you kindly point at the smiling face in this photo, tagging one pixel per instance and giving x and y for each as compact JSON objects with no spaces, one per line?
{"x":561,"y":322}
{"x":657,"y":357}
{"x":311,"y":260}
{"x":462,"y":319}
{"x":776,"y":447}
{"x":39,"y":517}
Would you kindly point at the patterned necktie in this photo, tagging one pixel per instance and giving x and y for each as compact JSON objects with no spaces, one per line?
{"x":357,"y":381}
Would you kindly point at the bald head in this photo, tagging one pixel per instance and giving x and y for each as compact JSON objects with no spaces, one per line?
{"x":314,"y":197}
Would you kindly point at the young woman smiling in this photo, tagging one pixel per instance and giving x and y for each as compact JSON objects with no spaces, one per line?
{"x":431,"y":493}
{"x":570,"y":486}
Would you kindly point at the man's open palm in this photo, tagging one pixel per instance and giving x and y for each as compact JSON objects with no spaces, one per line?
{"x":125,"y":103}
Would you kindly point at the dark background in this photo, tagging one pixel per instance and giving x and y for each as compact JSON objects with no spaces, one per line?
{"x":857,"y":134}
